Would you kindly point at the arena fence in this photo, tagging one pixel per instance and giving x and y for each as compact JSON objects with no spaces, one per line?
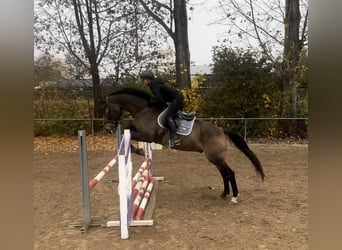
{"x":246,"y":126}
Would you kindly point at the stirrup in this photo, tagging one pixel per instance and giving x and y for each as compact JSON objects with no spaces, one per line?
{"x":174,"y":142}
{"x":188,"y":116}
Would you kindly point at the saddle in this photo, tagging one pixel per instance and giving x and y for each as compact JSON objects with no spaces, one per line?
{"x":184,"y":121}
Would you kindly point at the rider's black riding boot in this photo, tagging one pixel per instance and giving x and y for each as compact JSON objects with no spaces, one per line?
{"x":174,"y":140}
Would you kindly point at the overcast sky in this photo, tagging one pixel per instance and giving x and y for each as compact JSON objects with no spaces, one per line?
{"x":203,"y":35}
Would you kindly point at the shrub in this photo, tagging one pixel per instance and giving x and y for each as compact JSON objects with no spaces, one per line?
{"x":55,"y":104}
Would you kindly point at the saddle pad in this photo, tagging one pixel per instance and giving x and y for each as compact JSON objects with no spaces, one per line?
{"x":184,"y":127}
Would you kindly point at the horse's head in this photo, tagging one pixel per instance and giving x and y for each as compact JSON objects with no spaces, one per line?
{"x":130,"y":100}
{"x":112,"y":117}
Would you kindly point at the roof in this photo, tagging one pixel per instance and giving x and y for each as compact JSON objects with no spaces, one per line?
{"x":78,"y":83}
{"x":201,"y":69}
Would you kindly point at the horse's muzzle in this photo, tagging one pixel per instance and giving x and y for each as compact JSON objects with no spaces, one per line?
{"x":111,"y":127}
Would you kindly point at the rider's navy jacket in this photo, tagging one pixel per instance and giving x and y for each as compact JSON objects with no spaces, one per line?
{"x":162,"y":91}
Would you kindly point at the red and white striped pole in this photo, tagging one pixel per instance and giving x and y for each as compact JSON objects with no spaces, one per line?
{"x":140,"y":195}
{"x":104,"y":171}
{"x":144,"y":202}
{"x":140,"y":172}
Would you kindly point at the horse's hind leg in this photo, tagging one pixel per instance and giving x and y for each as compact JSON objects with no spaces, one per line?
{"x":228,"y":176}
{"x":232,"y":181}
{"x":225,"y":179}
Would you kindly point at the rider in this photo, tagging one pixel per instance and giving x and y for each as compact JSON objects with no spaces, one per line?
{"x":167,"y":94}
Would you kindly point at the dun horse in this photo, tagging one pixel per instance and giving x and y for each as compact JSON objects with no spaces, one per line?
{"x":205,"y":137}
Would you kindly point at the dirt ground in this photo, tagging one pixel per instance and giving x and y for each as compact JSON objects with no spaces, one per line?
{"x":189,"y":213}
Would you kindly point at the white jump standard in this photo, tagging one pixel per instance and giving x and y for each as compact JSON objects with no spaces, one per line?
{"x":126,"y":186}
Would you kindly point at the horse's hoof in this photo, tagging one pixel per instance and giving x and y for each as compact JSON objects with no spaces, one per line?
{"x":140,"y":151}
{"x":234,"y":199}
{"x":224,"y":196}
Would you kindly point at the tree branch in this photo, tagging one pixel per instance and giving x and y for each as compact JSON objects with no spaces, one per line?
{"x":253,"y":21}
{"x":158,"y":19}
{"x":107,"y":41}
{"x":261,"y":43}
{"x":98,"y":27}
{"x":303,"y":35}
{"x":92,"y":54}
{"x":78,"y":12}
{"x":162,"y":5}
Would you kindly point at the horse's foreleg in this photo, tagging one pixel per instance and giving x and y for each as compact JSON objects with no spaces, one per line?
{"x":139,"y":135}
{"x":138,"y":151}
{"x":134,"y":150}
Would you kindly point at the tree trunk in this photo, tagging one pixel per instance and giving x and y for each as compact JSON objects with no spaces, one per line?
{"x":291,"y":55}
{"x":98,"y":100}
{"x":179,"y":36}
{"x":290,"y":65}
{"x":181,"y":43}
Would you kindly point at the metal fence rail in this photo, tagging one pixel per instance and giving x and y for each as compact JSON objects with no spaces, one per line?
{"x":245,"y":120}
{"x":242,"y":119}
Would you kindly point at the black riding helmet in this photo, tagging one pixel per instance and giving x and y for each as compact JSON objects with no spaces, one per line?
{"x":147,"y":75}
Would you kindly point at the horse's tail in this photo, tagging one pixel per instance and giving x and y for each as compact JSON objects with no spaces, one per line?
{"x":241,"y":144}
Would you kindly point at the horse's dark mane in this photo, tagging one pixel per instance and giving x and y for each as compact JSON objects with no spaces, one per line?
{"x":132,"y":91}
{"x":142,"y":94}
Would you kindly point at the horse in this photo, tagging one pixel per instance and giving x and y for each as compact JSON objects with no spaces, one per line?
{"x":204,"y":138}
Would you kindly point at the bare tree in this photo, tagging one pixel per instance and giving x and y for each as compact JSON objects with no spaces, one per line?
{"x":89,"y":28}
{"x":173,"y":18}
{"x":83,"y":28}
{"x":103,"y":36}
{"x":260,"y":21}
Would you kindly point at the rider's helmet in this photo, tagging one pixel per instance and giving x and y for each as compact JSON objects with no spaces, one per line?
{"x":147,"y":75}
